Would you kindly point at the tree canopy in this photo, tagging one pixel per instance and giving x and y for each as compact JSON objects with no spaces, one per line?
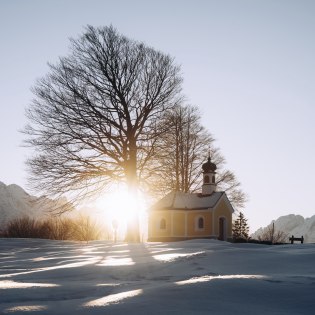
{"x":180,"y":153}
{"x":94,"y":117}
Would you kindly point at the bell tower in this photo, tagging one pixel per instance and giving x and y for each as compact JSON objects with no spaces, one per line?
{"x":209,"y":184}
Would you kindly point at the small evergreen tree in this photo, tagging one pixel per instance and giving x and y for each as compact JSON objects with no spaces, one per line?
{"x":240,"y":228}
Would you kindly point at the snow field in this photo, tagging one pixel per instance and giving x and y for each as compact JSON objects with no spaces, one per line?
{"x":192,"y":277}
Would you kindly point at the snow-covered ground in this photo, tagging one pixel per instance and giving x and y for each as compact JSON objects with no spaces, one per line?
{"x":192,"y":277}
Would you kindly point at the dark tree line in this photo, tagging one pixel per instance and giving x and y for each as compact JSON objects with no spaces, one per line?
{"x":112,"y":111}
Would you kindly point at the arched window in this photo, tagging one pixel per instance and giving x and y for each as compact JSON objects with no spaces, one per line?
{"x":200,"y":223}
{"x":163,"y":224}
{"x":213,"y":179}
{"x":207,"y":179}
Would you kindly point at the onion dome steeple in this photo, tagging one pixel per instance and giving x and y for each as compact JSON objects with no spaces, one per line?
{"x":209,"y":166}
{"x":209,"y":184}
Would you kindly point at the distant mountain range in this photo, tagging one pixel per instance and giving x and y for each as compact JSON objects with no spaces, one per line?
{"x":293,"y":225}
{"x":15,"y":202}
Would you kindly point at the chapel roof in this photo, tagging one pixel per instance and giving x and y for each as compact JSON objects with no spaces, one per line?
{"x":177,"y":200}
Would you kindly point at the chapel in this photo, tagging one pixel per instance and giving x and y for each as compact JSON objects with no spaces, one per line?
{"x":182,"y":216}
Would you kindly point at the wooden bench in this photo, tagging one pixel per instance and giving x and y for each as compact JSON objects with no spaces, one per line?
{"x":292,"y":239}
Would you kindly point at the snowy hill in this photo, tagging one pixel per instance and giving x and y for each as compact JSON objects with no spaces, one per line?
{"x":192,"y":277}
{"x":293,"y":225}
{"x":15,"y":202}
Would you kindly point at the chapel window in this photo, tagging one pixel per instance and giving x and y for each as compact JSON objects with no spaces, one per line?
{"x":163,"y":224}
{"x":207,"y":179}
{"x":200,"y":223}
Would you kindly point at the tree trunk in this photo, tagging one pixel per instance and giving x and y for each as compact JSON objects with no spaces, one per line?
{"x":132,"y":233}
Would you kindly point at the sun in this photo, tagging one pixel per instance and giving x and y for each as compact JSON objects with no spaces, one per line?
{"x":118,"y":206}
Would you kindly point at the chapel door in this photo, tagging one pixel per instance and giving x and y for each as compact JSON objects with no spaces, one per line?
{"x":222,"y":229}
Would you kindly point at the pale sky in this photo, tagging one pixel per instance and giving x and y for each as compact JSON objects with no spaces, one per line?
{"x":249,"y":66}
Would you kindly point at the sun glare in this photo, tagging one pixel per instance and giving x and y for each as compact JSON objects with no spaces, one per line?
{"x":119,"y":206}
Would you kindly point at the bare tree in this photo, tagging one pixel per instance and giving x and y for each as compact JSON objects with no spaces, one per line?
{"x":227,"y":181}
{"x":272,"y":235}
{"x":94,"y":116}
{"x":180,"y":152}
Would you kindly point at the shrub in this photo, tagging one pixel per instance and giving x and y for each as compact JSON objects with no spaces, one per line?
{"x":62,"y":228}
{"x":273,"y":236}
{"x":22,"y":227}
{"x":78,"y":229}
{"x":85,"y":229}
